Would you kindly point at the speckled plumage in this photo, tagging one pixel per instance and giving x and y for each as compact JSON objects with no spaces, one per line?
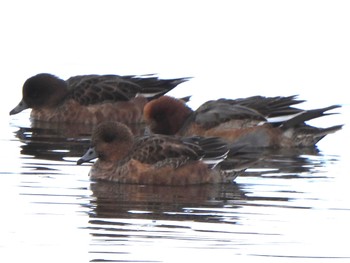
{"x":154,"y":159}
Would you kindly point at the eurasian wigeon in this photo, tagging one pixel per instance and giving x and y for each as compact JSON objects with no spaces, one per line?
{"x":155,"y":159}
{"x":240,"y":121}
{"x":91,"y":99}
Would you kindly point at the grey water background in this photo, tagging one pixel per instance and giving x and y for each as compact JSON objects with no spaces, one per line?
{"x":292,"y":208}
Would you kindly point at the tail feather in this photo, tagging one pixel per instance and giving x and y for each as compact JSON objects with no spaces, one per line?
{"x":303,"y":116}
{"x":214,"y":149}
{"x":155,"y":87}
{"x":272,"y":106}
{"x":230,"y":168}
{"x":240,"y":157}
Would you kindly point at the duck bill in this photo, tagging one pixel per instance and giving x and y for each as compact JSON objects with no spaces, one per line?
{"x":88,"y":156}
{"x":20,"y":107}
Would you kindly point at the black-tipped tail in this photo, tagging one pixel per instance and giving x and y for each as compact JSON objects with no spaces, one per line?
{"x":153,"y":87}
{"x":307,"y":115}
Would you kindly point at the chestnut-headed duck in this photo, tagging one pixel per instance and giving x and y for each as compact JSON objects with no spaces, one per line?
{"x":156,"y":159}
{"x":91,"y":99}
{"x":240,"y":121}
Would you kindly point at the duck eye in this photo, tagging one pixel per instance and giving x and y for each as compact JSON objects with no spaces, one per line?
{"x":159,"y":116}
{"x":108,"y":137}
{"x":34,"y":93}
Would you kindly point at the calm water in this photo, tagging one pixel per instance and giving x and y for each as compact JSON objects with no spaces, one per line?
{"x":292,"y":207}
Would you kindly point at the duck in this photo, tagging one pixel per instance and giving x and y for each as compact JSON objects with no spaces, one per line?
{"x":257,"y":121}
{"x":156,"y":159}
{"x":91,"y":99}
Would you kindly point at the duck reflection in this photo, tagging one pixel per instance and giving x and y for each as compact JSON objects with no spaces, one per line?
{"x":112,"y":200}
{"x":288,"y":163}
{"x":56,"y":141}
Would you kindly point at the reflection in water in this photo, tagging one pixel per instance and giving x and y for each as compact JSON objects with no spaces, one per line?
{"x":127,"y":220}
{"x":56,"y":141}
{"x":288,"y":162}
{"x":50,"y":144}
{"x":117,"y":201}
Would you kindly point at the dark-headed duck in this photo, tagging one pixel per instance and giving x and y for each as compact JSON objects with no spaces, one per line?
{"x":91,"y":99}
